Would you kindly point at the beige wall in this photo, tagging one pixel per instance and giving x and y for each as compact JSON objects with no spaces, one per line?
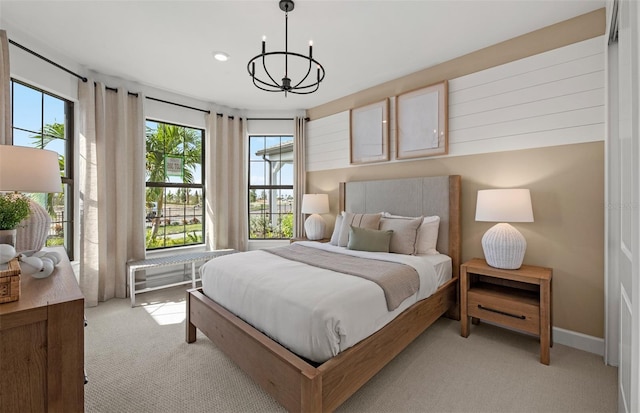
{"x":566,"y":181}
{"x":567,"y":191}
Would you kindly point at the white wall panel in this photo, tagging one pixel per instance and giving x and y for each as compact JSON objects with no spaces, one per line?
{"x":549,"y":90}
{"x":546,"y":106}
{"x":554,"y":73}
{"x":541,"y":139}
{"x":328,"y":142}
{"x":560,"y":55}
{"x":531,"y":124}
{"x":553,"y":98}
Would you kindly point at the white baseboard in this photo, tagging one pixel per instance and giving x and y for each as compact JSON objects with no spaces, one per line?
{"x":578,"y":340}
{"x":570,"y":338}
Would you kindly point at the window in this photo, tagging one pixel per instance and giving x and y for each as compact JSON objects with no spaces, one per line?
{"x":270,"y":187}
{"x":42,"y":120}
{"x":174,"y":185}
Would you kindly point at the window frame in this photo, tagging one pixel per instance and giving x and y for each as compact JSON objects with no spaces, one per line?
{"x":173,"y":185}
{"x":69,"y":160}
{"x":265,"y":187}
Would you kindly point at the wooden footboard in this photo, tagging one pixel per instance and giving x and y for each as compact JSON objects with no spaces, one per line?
{"x":294,"y":383}
{"x":289,"y":379}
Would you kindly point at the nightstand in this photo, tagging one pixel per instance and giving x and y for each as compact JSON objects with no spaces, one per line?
{"x":519,"y":299}
{"x":296,"y":239}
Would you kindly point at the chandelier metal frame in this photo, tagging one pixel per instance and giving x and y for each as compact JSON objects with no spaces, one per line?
{"x":270,"y":84}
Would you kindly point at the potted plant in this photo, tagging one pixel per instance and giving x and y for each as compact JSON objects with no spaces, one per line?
{"x":13,"y":209}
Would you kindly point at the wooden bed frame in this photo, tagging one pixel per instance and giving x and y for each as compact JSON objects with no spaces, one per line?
{"x":295,"y":383}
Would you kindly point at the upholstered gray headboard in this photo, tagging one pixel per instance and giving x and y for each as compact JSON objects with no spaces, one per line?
{"x":427,"y":196}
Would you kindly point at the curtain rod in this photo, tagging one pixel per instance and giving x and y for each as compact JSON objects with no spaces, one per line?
{"x":84,"y":79}
{"x":113,"y":89}
{"x":178,"y":104}
{"x":307,"y":119}
{"x":270,"y":119}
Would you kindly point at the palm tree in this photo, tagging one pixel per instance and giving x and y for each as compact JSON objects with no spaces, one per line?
{"x":50,"y":132}
{"x":169,"y":140}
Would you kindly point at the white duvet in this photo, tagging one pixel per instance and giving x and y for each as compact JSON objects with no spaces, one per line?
{"x":315,"y":313}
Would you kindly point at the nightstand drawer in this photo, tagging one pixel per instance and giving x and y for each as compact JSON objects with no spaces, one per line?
{"x":506,"y":306}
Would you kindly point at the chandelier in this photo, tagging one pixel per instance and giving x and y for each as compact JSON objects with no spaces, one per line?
{"x":265,"y":80}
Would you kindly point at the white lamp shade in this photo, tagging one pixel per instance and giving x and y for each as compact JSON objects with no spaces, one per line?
{"x":26,"y":169}
{"x":504,"y":205}
{"x":315,"y":204}
{"x":503,"y":245}
{"x":31,"y":170}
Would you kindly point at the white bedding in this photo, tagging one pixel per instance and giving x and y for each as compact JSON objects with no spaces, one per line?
{"x":315,"y":313}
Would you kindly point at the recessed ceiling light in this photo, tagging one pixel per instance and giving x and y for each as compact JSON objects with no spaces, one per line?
{"x":221,"y":56}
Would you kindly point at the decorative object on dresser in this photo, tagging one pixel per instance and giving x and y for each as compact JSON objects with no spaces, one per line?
{"x":9,"y":274}
{"x":39,"y":264}
{"x":13,"y":265}
{"x":519,"y":299}
{"x":315,"y":204}
{"x":30,"y":170}
{"x":503,"y":245}
{"x":13,"y":209}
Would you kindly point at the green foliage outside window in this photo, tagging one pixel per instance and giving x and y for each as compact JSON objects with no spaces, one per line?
{"x":173,"y":200}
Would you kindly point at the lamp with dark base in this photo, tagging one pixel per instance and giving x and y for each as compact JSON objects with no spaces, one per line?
{"x":503,"y":245}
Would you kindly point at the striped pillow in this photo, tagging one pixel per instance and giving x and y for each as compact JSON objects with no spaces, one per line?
{"x":350,"y":219}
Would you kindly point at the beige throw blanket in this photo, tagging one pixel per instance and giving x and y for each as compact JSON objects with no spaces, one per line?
{"x":398,"y":281}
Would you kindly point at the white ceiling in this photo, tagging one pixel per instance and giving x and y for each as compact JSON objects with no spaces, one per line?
{"x":360,"y":43}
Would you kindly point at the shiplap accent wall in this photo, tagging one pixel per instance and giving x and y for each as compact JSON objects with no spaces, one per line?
{"x":553,"y":98}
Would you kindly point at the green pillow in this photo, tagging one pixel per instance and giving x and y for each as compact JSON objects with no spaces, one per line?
{"x":365,"y":239}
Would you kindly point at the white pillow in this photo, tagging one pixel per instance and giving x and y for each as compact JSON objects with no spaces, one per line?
{"x":405,"y":231}
{"x":335,"y":236}
{"x":427,"y":239}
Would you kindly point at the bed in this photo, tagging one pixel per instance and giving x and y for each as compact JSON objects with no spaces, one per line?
{"x":296,"y":382}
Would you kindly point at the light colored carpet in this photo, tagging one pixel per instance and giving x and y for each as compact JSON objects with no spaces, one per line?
{"x":138,"y":361}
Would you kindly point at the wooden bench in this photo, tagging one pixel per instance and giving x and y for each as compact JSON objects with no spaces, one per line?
{"x":178,"y":259}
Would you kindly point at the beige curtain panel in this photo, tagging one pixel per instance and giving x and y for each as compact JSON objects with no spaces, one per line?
{"x":300,"y":176}
{"x":226,"y":177}
{"x":6,"y":134}
{"x":112,"y":189}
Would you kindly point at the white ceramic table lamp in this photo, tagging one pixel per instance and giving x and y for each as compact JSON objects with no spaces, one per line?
{"x":30,"y":170}
{"x":503,"y":245}
{"x":315,"y":204}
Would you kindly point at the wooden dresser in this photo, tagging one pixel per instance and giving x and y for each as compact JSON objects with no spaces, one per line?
{"x":42,"y":345}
